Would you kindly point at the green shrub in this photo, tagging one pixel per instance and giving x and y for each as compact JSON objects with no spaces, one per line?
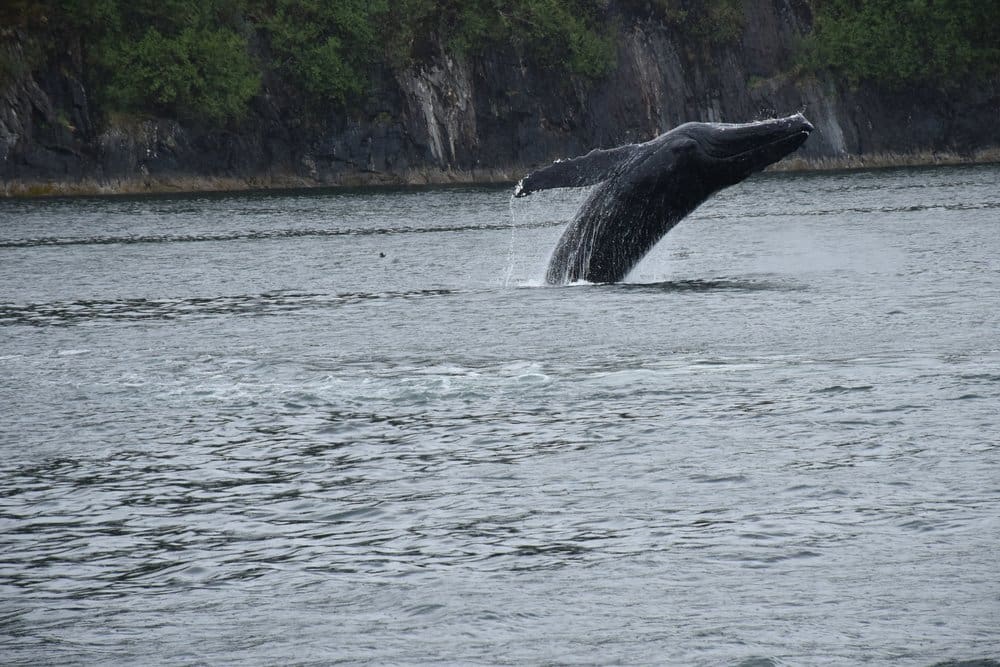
{"x":201,"y":73}
{"x":568,"y":35}
{"x":186,"y":58}
{"x":900,"y":42}
{"x":327,"y":48}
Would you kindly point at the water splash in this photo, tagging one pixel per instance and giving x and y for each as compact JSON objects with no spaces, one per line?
{"x":513,"y":230}
{"x":530,"y":246}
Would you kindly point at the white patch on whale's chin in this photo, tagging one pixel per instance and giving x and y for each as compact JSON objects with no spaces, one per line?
{"x":519,"y":188}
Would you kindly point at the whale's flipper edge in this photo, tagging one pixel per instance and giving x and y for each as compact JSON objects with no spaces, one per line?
{"x":589,"y":169}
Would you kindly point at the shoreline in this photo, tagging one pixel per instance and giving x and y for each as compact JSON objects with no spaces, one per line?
{"x":193,"y":184}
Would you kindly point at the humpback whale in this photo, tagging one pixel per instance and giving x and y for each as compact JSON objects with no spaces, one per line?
{"x":644,"y":190}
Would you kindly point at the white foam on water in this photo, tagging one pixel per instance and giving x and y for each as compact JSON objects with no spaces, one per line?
{"x":71,"y":353}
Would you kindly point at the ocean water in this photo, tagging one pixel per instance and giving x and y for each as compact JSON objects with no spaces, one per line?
{"x":354,"y":427}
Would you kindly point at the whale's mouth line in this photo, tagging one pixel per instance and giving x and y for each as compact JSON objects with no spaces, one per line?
{"x":788,"y":139}
{"x":800,"y":136}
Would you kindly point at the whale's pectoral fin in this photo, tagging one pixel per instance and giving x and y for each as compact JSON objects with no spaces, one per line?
{"x":594,"y":167}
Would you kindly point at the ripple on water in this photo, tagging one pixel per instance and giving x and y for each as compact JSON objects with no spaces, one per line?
{"x":270,"y":449}
{"x":137,"y":310}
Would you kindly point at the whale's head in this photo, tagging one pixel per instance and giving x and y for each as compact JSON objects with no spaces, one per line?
{"x":727,"y":153}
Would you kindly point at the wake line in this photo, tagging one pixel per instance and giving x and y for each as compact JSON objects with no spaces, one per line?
{"x":916,"y":208}
{"x":67,"y":313}
{"x":260,"y":235}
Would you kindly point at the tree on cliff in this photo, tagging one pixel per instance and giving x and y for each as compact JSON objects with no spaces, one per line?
{"x":894,"y":42}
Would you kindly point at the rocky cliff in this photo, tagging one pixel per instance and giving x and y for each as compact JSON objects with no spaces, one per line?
{"x":486,"y":118}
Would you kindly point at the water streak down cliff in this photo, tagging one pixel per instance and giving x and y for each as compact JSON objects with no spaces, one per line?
{"x":489,"y":117}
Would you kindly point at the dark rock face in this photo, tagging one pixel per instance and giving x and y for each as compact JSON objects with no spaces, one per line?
{"x":489,"y":118}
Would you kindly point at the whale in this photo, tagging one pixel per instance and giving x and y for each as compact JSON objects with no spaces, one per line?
{"x":643,"y":190}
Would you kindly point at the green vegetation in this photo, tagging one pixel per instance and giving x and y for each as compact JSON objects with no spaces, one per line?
{"x":325,"y":47}
{"x":562,"y":34}
{"x":902,"y":42}
{"x":186,"y":58}
{"x":571,"y":35}
{"x":198,"y":72}
{"x":707,"y":22}
{"x":205,"y":60}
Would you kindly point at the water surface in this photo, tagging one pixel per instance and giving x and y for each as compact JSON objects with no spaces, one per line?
{"x":335,"y":426}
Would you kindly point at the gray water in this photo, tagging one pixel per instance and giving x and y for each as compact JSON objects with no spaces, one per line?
{"x":234,"y":433}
